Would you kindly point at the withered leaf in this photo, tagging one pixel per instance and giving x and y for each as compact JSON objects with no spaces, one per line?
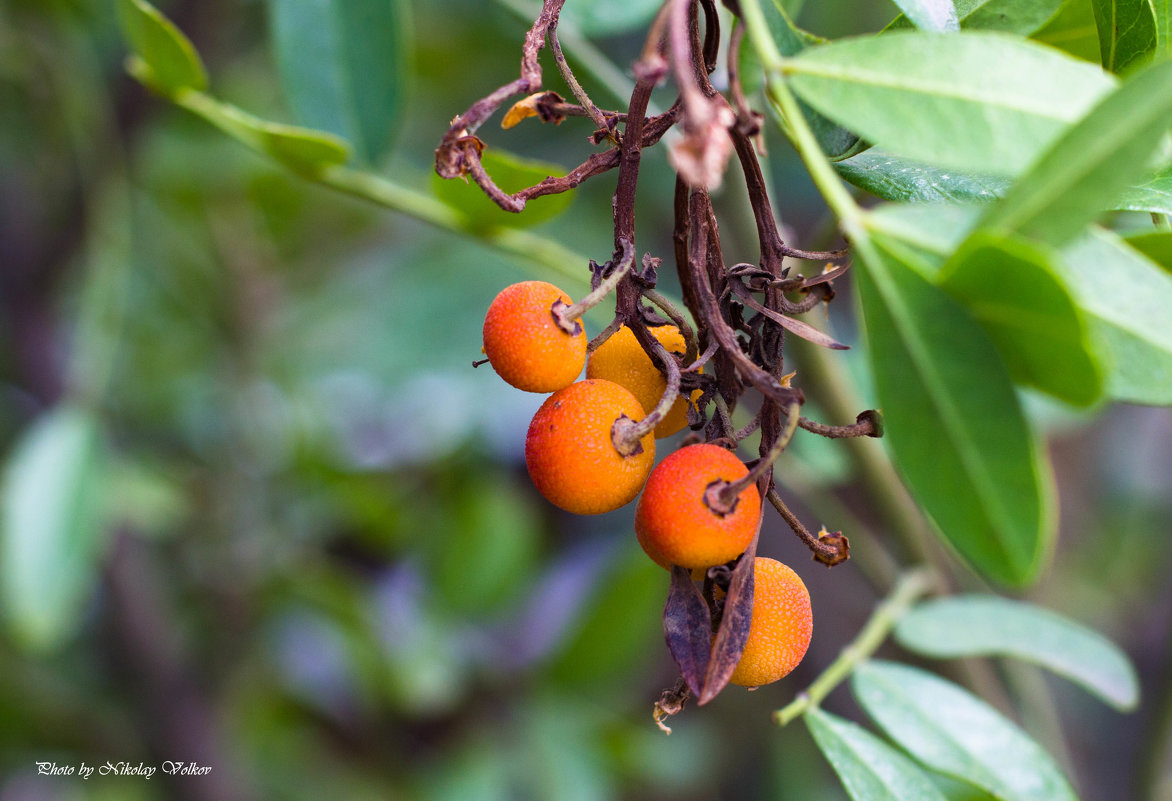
{"x":804,"y":330}
{"x":687,"y":627}
{"x":734,"y":626}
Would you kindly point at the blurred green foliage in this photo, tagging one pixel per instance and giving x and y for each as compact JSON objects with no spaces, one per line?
{"x":344,"y":585}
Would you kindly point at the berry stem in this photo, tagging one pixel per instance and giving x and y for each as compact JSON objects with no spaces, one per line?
{"x":628,"y":433}
{"x":908,"y":589}
{"x":728,"y":493}
{"x":566,"y":315}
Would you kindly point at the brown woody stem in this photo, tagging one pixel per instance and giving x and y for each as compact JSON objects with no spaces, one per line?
{"x":728,"y":493}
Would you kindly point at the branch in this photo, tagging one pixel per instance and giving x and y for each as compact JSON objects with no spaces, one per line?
{"x":908,"y":589}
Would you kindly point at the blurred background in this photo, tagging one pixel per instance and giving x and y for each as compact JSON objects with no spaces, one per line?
{"x":299,"y":543}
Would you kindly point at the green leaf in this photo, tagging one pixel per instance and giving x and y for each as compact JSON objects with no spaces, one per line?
{"x":869,"y":769}
{"x":956,"y":101}
{"x":985,"y":625}
{"x":930,"y":15}
{"x":906,"y":180}
{"x":957,"y":734}
{"x":937,"y":228}
{"x":1154,"y":195}
{"x":789,"y":38}
{"x":1156,"y":245}
{"x":1091,"y":163}
{"x":954,"y":424}
{"x":1073,"y":30}
{"x":1013,"y":289}
{"x":170,"y":56}
{"x":51,"y":527}
{"x":511,"y":173}
{"x":1127,"y":32}
{"x":836,"y":142}
{"x":344,"y":65}
{"x":1127,"y":298}
{"x":300,"y":149}
{"x":1012,"y":16}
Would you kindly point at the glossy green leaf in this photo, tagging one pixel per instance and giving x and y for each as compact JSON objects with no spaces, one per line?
{"x":957,"y":734}
{"x":1073,"y":30}
{"x":170,"y":56}
{"x":301,"y":149}
{"x":985,"y":625}
{"x":906,"y":180}
{"x":344,"y":65}
{"x":511,"y":173}
{"x":1091,"y":163}
{"x":1155,"y":244}
{"x":869,"y":769}
{"x":1128,"y":299}
{"x":51,"y":527}
{"x":1154,"y":195}
{"x":1124,"y":296}
{"x":955,"y":101}
{"x":836,"y":142}
{"x":930,"y":15}
{"x":937,"y":228}
{"x":1012,"y":16}
{"x":1127,"y":32}
{"x":1012,"y":288}
{"x":953,"y":422}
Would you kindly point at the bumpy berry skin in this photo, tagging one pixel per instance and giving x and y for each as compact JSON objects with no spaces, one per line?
{"x":675,"y":525}
{"x":524,"y":343}
{"x":571,"y":455}
{"x":781,"y":626}
{"x":622,"y":360}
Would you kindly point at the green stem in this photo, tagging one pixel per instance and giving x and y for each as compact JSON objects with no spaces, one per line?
{"x":378,"y":190}
{"x":908,"y":589}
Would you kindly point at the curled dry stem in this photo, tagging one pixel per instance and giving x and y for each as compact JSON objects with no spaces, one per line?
{"x":830,"y":550}
{"x":627,"y":435}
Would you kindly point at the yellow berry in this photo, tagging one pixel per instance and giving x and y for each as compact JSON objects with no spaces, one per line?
{"x":525,"y":344}
{"x":622,"y":360}
{"x":675,"y":523}
{"x":571,"y":454}
{"x":781,"y":626}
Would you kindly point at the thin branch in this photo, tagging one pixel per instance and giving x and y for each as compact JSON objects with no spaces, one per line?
{"x":908,"y":589}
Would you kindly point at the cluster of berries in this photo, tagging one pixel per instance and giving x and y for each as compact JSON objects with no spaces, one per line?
{"x":575,"y":458}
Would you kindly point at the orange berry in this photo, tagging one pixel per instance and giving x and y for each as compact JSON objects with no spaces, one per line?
{"x":571,"y":455}
{"x":675,"y":524}
{"x":622,"y":360}
{"x":524,"y":343}
{"x":780,"y":629}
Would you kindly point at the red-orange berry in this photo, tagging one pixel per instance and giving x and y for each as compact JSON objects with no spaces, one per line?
{"x":525,"y":344}
{"x":781,"y":626}
{"x":571,"y":453}
{"x":675,"y":523}
{"x":622,"y":359}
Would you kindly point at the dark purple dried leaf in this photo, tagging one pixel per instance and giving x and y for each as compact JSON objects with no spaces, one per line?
{"x":687,"y":627}
{"x":734,"y":625}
